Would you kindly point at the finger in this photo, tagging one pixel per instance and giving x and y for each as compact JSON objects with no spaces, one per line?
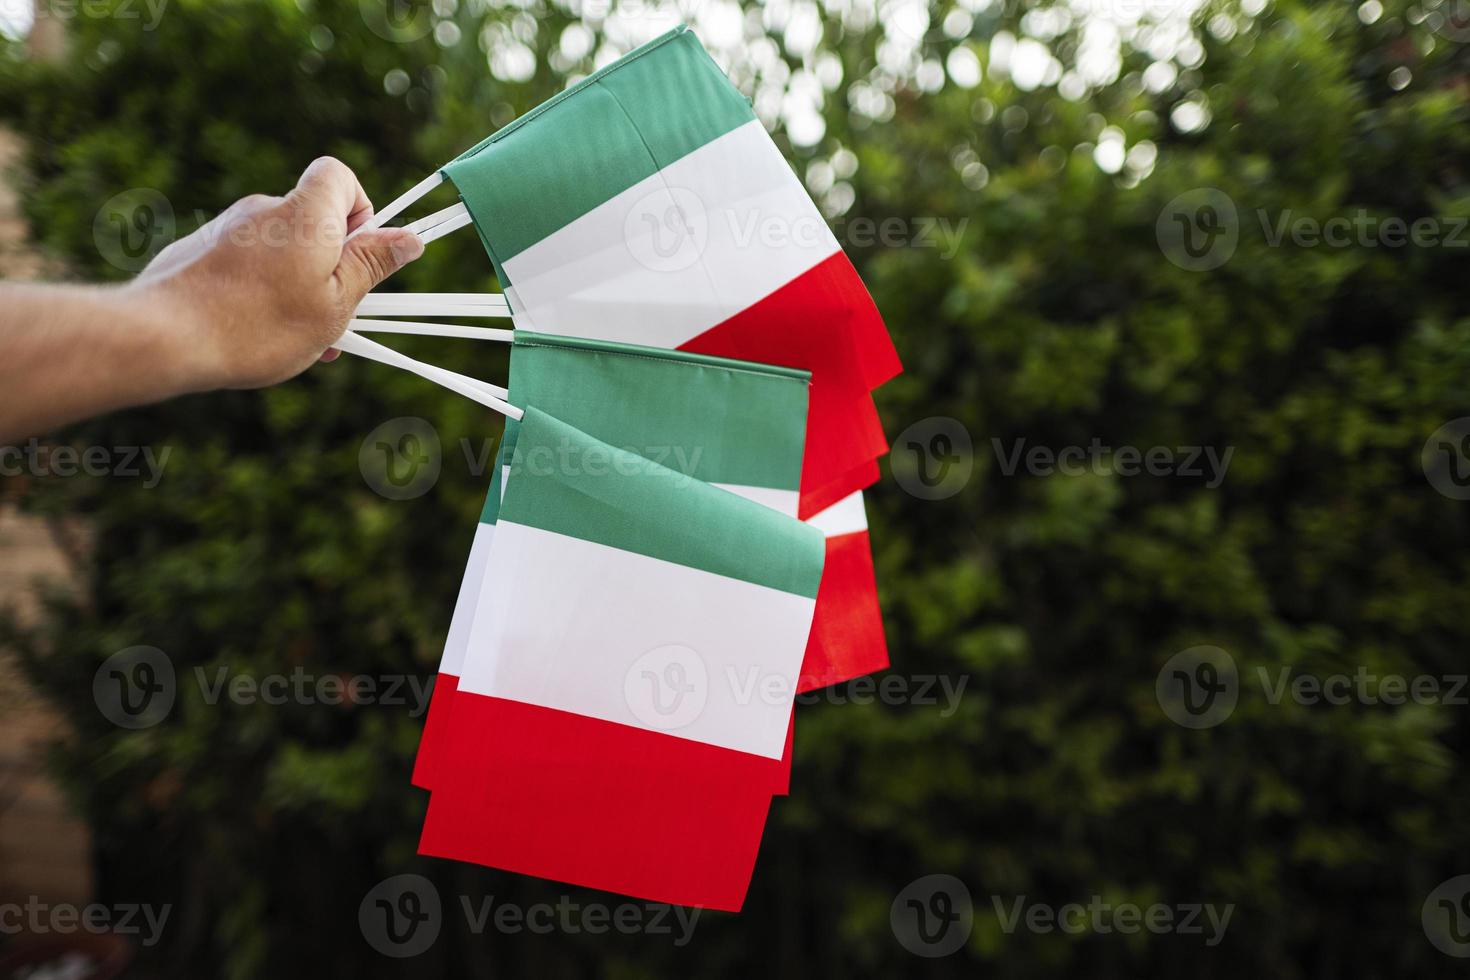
{"x":330,"y":184}
{"x":372,"y":257}
{"x":329,"y":355}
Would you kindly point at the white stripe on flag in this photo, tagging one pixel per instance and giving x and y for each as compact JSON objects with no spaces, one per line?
{"x":630,"y":269}
{"x":641,"y":647}
{"x":461,"y":625}
{"x":783,"y":501}
{"x":847,"y":516}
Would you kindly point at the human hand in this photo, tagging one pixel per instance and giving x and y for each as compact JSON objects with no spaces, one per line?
{"x":262,"y":291}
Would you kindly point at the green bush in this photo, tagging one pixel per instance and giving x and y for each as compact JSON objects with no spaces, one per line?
{"x":1059,"y":319}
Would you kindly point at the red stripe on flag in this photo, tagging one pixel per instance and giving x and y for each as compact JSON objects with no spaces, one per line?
{"x":436,"y":728}
{"x":808,"y":324}
{"x":847,"y":632}
{"x":427,"y":766}
{"x":818,"y":499}
{"x":557,"y":795}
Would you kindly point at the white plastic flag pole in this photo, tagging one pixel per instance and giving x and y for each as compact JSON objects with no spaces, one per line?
{"x":432,"y":329}
{"x":352,"y":343}
{"x":398,"y":205}
{"x":440,"y":223}
{"x":468,"y":299}
{"x":373,"y":307}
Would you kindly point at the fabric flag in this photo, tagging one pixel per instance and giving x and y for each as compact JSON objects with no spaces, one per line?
{"x":847,"y":634}
{"x":620,"y":602}
{"x":648,"y":204}
{"x":735,"y":425}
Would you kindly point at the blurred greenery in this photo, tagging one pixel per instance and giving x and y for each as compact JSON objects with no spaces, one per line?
{"x":1058,"y":319}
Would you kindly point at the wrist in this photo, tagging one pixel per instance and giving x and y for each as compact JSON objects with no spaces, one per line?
{"x":173,"y":335}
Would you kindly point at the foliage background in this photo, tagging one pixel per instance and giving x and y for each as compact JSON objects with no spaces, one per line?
{"x":1058,"y":320}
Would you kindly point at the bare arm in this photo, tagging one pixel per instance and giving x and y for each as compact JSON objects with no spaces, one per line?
{"x":253,"y":298}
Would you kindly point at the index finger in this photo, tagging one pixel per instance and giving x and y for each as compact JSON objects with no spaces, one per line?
{"x":331,"y":183}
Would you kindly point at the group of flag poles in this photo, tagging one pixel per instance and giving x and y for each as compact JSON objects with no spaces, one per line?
{"x":673,"y":543}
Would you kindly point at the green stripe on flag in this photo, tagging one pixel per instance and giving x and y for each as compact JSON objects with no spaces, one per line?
{"x":601,"y":136}
{"x":722,"y":421}
{"x":566,"y":482}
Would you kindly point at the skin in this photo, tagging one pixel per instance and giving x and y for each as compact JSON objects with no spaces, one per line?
{"x":253,"y":298}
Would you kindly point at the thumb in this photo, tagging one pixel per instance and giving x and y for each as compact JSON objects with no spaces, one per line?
{"x":373,"y":256}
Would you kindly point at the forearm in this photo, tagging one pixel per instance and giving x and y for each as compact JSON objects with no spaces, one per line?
{"x":74,"y":351}
{"x":254,"y":297}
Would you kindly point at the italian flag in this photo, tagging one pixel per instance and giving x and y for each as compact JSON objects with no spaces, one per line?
{"x":648,"y":204}
{"x":735,"y":425}
{"x":614,"y":725}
